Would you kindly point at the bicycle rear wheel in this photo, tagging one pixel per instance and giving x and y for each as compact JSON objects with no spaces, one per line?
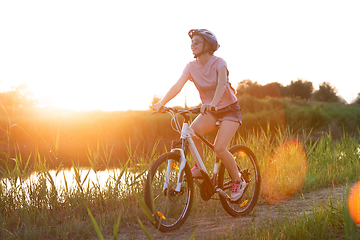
{"x":248,"y":167}
{"x":170,"y":207}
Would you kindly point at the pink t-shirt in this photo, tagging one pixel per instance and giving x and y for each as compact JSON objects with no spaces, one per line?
{"x":205,"y":79}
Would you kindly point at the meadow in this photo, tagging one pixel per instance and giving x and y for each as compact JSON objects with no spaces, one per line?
{"x":64,"y":137}
{"x":326,"y":137}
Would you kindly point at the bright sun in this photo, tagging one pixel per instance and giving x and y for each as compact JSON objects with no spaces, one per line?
{"x":118,"y":55}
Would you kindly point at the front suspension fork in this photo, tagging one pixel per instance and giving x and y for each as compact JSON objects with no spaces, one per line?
{"x":181,"y":168}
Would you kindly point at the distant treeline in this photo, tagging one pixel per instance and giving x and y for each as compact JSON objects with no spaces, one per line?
{"x":300,"y":89}
{"x":20,"y":96}
{"x":64,"y":137}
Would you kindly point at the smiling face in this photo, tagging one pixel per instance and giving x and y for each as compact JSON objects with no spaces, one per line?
{"x":197,"y":44}
{"x":200,"y":46}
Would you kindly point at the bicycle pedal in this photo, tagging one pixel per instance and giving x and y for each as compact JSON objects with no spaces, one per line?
{"x":222,"y":193}
{"x":196,"y":173}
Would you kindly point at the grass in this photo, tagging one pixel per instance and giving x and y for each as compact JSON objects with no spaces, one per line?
{"x":333,"y":161}
{"x":63,"y":213}
{"x":329,"y":220}
{"x":33,"y":209}
{"x":39,"y":209}
{"x":78,"y":131}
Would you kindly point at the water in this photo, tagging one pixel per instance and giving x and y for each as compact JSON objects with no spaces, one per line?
{"x":66,"y":179}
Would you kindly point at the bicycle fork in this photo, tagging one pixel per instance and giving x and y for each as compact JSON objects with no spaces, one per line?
{"x":181,"y":168}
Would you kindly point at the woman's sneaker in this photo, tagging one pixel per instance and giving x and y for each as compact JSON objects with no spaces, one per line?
{"x":195,"y":171}
{"x":238,"y":190}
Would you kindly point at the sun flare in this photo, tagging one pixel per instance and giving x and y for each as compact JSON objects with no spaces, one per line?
{"x":285,"y":173}
{"x":353,"y":203}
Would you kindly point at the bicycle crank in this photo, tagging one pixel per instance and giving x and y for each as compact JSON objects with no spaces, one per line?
{"x":206,"y":187}
{"x":206,"y":191}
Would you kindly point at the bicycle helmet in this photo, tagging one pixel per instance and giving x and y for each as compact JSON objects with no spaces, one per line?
{"x":207,"y":35}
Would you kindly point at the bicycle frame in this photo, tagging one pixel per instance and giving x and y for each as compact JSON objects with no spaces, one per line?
{"x":186,"y":136}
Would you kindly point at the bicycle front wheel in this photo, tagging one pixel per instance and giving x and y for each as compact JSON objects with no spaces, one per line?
{"x":169,"y":205}
{"x":248,"y":167}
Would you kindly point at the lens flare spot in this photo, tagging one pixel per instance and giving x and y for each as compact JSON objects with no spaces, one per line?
{"x":161,"y":215}
{"x":285,"y":172}
{"x":240,"y":154}
{"x":353,"y":203}
{"x":175,"y":166}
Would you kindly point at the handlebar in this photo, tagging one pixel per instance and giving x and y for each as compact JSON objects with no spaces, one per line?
{"x":180,"y":111}
{"x":183,"y":111}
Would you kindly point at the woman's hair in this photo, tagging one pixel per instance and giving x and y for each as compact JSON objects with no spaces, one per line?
{"x":210,"y":47}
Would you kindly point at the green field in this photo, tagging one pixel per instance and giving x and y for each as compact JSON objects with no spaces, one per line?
{"x":42,"y":140}
{"x":77,"y":133}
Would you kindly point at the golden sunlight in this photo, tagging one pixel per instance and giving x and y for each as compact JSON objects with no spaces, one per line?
{"x":285,"y":173}
{"x":85,"y":97}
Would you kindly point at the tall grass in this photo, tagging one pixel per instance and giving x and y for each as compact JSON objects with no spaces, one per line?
{"x":37,"y":208}
{"x":80,"y":130}
{"x":333,"y":162}
{"x":328,"y":220}
{"x":33,"y":209}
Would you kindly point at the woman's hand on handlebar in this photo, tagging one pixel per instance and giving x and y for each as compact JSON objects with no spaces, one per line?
{"x":207,"y":107}
{"x":158,"y":106}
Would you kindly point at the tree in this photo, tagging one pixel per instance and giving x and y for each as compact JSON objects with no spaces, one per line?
{"x":301,"y":89}
{"x":271,"y":90}
{"x":19,"y":96}
{"x":297,"y":89}
{"x":247,"y":87}
{"x":326,"y":93}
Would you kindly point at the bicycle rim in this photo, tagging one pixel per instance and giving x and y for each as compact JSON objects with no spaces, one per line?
{"x":248,"y":167}
{"x":170,"y":208}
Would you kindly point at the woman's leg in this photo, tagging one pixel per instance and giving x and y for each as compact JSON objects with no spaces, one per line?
{"x":201,"y":125}
{"x":226,"y":132}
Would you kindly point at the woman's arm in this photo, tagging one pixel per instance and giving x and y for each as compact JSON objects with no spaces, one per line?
{"x":219,"y":92}
{"x":174,"y":90}
{"x":221,"y":86}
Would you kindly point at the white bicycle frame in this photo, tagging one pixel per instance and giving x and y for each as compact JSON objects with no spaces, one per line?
{"x":186,"y":137}
{"x":186,"y":134}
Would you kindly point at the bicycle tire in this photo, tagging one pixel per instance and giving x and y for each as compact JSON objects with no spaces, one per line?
{"x":169,"y":208}
{"x":248,"y":166}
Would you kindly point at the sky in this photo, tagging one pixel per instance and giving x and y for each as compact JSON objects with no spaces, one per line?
{"x":118,"y":55}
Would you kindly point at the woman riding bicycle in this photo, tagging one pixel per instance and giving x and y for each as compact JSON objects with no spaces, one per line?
{"x":210,"y":75}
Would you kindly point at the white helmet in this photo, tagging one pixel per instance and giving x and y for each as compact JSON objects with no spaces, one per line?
{"x":209,"y":36}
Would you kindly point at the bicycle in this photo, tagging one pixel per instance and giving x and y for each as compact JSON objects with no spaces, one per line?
{"x":169,"y":187}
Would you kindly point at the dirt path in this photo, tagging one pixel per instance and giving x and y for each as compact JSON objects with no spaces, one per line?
{"x":298,"y":204}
